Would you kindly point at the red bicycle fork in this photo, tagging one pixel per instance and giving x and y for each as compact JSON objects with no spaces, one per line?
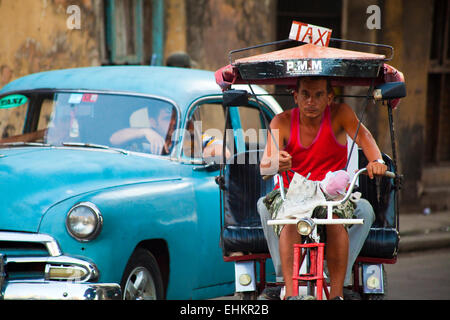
{"x":315,"y":274}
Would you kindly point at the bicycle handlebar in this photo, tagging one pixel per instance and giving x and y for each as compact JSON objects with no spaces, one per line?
{"x":330,"y":204}
{"x":388,"y":174}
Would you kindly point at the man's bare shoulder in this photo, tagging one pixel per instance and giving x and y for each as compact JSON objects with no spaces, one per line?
{"x":339,"y":110}
{"x":282,"y":119}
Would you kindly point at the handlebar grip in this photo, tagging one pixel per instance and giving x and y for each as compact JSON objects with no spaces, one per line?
{"x":389,"y":174}
{"x":267,"y":177}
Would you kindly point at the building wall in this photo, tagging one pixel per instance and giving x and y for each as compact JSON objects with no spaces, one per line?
{"x":35,"y":37}
{"x":215,"y":27}
{"x":176,"y":33}
{"x":407,"y":26}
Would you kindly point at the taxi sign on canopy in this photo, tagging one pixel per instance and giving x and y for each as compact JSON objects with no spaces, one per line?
{"x":310,"y":33}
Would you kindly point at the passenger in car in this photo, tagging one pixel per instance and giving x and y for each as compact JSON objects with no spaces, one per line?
{"x":64,"y":126}
{"x":35,"y":136}
{"x":211,"y":145}
{"x":158,"y":134}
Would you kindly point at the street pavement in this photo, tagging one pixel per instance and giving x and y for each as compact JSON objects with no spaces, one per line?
{"x":421,"y":232}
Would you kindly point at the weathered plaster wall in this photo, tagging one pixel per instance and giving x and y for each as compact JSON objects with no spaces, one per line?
{"x":175,"y":27}
{"x":407,"y":26}
{"x":35,"y":37}
{"x":214,"y":27}
{"x":354,"y":27}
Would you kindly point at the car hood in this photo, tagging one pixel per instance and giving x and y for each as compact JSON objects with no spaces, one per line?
{"x":34,"y":179}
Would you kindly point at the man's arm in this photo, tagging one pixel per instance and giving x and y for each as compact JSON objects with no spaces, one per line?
{"x":26,"y":137}
{"x":157,"y":143}
{"x":215,"y":149}
{"x":275,"y":159}
{"x":364,"y":139}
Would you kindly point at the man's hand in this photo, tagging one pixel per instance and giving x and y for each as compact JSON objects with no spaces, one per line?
{"x":156,"y":141}
{"x":278,"y":163}
{"x":375,"y":169}
{"x":284,"y":161}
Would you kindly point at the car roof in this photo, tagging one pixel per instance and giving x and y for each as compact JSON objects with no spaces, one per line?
{"x":149,"y":80}
{"x":181,"y":85}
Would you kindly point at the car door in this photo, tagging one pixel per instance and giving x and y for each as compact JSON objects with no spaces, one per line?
{"x":205,"y":127}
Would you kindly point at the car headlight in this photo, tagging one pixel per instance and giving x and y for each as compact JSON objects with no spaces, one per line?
{"x":84,"y":221}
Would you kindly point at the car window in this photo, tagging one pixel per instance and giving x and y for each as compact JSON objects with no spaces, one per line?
{"x":206,"y":124}
{"x":205,"y":127}
{"x":253,"y":127}
{"x":45,"y":114}
{"x":12,"y":116}
{"x":132,"y":123}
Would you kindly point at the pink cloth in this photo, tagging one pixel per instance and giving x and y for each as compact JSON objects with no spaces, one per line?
{"x":335,"y":183}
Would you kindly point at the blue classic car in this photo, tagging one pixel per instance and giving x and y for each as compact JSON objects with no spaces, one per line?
{"x":107,"y":182}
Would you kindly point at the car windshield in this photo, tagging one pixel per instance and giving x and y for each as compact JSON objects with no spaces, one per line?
{"x":140,"y":124}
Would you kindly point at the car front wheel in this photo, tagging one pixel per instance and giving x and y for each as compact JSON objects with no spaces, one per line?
{"x":142,"y":278}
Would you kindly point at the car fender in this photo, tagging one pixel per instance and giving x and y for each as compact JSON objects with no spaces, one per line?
{"x":133,"y":214}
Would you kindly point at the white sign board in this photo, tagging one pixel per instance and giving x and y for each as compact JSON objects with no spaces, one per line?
{"x":309,"y":33}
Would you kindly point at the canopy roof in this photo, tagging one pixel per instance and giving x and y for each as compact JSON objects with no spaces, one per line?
{"x":313,"y":52}
{"x":345,"y":67}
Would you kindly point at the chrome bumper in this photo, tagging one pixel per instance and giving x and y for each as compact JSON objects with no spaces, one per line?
{"x":56,"y":290}
{"x":81,"y":285}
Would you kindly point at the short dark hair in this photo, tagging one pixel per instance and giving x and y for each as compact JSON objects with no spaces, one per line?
{"x":327,"y":79}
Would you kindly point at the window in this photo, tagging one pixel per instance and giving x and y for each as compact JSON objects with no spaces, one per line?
{"x":124,"y":31}
{"x":12,"y":119}
{"x":252,"y":124}
{"x":206,"y":125}
{"x":438,"y":101}
{"x":127,"y":122}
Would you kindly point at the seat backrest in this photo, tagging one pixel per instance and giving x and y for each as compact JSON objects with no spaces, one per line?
{"x":243,"y":186}
{"x":383,"y":238}
{"x":383,"y":200}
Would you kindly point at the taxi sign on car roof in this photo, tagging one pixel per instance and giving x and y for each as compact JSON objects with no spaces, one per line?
{"x":12,"y":101}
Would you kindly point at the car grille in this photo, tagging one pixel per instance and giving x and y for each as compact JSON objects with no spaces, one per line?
{"x":33,"y":256}
{"x":17,"y":248}
{"x":25,"y":254}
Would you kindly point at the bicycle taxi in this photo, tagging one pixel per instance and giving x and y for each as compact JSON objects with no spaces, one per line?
{"x":242,"y":237}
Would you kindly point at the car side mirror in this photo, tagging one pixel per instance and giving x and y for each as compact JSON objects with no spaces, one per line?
{"x":389,"y":91}
{"x":232,"y":98}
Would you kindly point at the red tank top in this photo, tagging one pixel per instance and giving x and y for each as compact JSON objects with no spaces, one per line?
{"x":323,"y":155}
